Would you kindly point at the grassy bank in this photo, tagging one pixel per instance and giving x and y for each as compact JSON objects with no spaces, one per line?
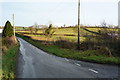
{"x":87,"y":55}
{"x":9,"y":62}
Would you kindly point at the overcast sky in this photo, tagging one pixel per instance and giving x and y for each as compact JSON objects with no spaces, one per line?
{"x":58,"y":12}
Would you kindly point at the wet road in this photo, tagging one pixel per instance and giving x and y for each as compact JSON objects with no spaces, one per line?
{"x":35,"y":63}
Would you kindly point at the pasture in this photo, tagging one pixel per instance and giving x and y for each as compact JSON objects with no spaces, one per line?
{"x":67,"y":33}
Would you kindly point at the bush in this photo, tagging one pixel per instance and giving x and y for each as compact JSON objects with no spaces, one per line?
{"x":66,"y":44}
{"x":9,"y":41}
{"x":31,"y":30}
{"x":104,"y":43}
{"x":8,"y":30}
{"x":8,"y":36}
{"x":49,"y":32}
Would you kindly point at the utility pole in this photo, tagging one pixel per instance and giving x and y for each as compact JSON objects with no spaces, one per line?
{"x":13,"y":25}
{"x":78,"y":24}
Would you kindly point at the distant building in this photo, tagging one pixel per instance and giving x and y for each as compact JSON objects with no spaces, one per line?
{"x":119,"y":13}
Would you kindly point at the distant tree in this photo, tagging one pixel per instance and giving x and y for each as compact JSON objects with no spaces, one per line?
{"x":104,"y":29}
{"x":31,"y":30}
{"x":8,"y":30}
{"x":104,"y":24}
{"x":64,"y":25}
{"x":36,"y":27}
{"x":49,"y":32}
{"x":23,"y":28}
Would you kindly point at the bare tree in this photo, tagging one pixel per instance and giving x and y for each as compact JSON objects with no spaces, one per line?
{"x":104,"y":29}
{"x":36,"y":27}
{"x":103,"y":24}
{"x":31,"y":30}
{"x":64,"y":25}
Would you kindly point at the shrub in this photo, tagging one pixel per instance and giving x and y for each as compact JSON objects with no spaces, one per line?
{"x":105,"y":44}
{"x":9,"y":41}
{"x":31,"y":30}
{"x":66,"y":44}
{"x":49,"y":32}
{"x":8,"y":30}
{"x":8,"y":36}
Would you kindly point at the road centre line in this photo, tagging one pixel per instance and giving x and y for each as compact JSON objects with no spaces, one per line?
{"x":93,"y":70}
{"x":66,"y":59}
{"x":77,"y":64}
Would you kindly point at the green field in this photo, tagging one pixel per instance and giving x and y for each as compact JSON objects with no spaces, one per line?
{"x":60,"y":33}
{"x":69,"y":33}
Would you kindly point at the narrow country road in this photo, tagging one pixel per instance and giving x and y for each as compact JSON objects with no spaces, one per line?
{"x":35,"y":63}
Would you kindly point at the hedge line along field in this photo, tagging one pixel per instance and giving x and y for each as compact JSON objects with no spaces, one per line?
{"x":60,"y":33}
{"x":69,"y":30}
{"x":65,"y":33}
{"x":63,"y":30}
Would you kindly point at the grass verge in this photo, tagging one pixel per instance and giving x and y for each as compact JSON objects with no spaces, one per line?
{"x":88,"y":55}
{"x":9,"y":62}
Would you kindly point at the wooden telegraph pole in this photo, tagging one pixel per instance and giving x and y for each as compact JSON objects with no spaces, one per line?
{"x":78,"y":24}
{"x":13,"y":25}
{"x":14,"y":30}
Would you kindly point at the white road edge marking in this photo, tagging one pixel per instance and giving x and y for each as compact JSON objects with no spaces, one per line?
{"x":77,"y":64}
{"x":93,"y":70}
{"x":66,"y":59}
